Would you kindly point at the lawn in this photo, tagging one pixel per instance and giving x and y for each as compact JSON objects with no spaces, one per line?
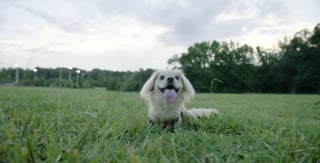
{"x":95,"y":125}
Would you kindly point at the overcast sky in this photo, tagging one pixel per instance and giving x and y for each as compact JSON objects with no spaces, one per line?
{"x":132,"y":34}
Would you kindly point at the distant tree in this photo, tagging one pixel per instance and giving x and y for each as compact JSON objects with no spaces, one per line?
{"x":299,"y":64}
{"x":195,"y":63}
{"x":315,"y":38}
{"x":266,"y":72}
{"x":206,"y":62}
{"x":7,"y":75}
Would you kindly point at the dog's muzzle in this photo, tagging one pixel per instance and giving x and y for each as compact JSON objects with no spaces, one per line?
{"x":170,"y":93}
{"x":169,"y":87}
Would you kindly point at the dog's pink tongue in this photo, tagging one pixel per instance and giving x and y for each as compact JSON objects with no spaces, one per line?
{"x":170,"y":95}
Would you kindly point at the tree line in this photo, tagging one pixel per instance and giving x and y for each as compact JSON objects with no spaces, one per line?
{"x":70,"y":78}
{"x":233,"y":68}
{"x":225,"y":67}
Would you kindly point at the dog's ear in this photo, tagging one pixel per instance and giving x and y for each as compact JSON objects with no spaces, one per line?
{"x":188,"y":89}
{"x":149,"y":85}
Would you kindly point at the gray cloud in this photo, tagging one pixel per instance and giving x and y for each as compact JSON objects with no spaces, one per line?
{"x":67,"y":24}
{"x":190,"y":21}
{"x":187,"y":21}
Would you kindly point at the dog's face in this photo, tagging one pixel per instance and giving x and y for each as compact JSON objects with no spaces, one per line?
{"x":169,"y":83}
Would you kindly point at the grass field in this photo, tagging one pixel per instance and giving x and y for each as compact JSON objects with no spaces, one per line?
{"x":68,"y":125}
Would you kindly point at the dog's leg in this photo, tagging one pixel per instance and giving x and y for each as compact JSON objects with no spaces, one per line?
{"x":151,"y":122}
{"x":170,"y":123}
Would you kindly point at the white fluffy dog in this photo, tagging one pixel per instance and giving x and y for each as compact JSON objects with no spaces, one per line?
{"x":166,"y":92}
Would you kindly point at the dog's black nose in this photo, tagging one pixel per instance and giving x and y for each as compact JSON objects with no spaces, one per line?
{"x":170,"y":79}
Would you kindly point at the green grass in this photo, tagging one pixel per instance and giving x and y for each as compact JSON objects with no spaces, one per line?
{"x":68,"y":125}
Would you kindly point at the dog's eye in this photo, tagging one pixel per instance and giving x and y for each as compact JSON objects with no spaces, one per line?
{"x":177,"y":77}
{"x":162,"y":77}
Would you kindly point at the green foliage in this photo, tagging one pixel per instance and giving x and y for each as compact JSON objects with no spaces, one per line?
{"x":293,"y":69}
{"x":299,"y":64}
{"x":227,"y":62}
{"x":94,"y":125}
{"x":59,"y":77}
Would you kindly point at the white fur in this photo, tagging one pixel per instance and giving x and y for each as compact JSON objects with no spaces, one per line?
{"x":160,"y":110}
